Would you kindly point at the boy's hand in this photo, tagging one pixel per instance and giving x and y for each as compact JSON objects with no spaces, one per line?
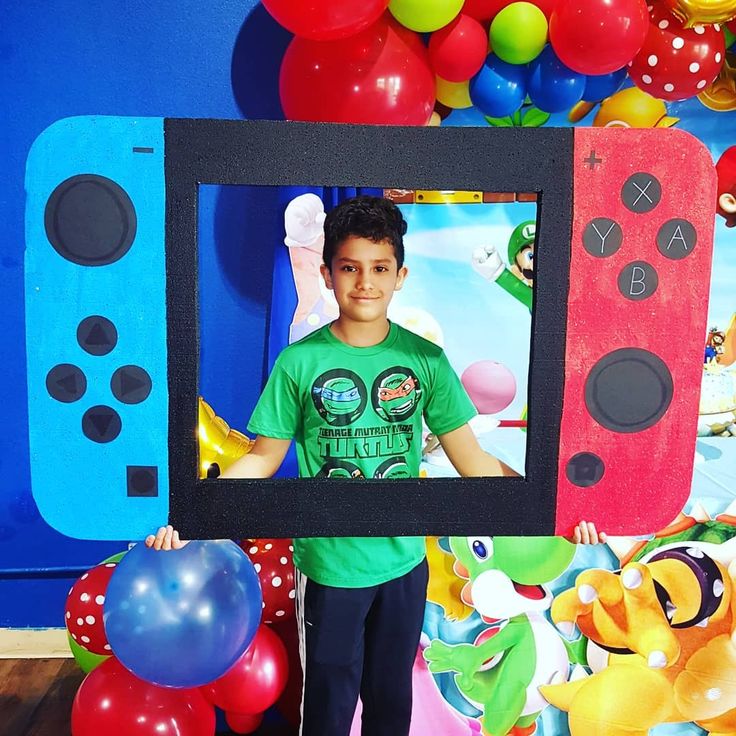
{"x":166,"y":538}
{"x":586,"y":533}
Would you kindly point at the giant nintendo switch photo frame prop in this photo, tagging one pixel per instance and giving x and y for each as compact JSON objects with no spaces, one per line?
{"x":624,"y":242}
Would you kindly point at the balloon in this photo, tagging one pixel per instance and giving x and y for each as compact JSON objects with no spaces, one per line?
{"x":380,"y":76}
{"x":243,"y":722}
{"x":217,"y":442}
{"x":290,"y":702}
{"x":86,"y":660}
{"x":424,"y":15}
{"x":255,"y":682}
{"x":490,"y":385}
{"x":458,"y":50}
{"x":453,"y":94}
{"x":272,"y":561}
{"x":693,"y":12}
{"x":518,"y":33}
{"x":113,"y":702}
{"x":485,"y":10}
{"x":182,"y":618}
{"x":84,"y":609}
{"x":600,"y":86}
{"x":498,"y":89}
{"x":676,"y":62}
{"x":324,"y":20}
{"x":552,"y":86}
{"x":598,"y":36}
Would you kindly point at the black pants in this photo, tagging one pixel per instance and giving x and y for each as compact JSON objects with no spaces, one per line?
{"x":359,"y":641}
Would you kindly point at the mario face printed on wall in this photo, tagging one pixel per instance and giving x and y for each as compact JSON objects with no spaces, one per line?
{"x":726,"y":169}
{"x":518,"y":279}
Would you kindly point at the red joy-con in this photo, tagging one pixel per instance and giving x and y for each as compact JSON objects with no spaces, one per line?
{"x":642,"y":239}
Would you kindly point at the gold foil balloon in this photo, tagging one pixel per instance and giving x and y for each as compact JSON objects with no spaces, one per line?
{"x":695,"y":12}
{"x":217,"y":442}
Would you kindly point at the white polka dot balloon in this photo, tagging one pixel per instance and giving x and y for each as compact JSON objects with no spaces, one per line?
{"x":676,"y":63}
{"x":272,"y":560}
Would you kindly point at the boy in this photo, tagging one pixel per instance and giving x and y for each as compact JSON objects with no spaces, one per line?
{"x":352,"y":395}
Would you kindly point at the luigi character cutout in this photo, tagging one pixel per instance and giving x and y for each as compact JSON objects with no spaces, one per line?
{"x":518,"y":280}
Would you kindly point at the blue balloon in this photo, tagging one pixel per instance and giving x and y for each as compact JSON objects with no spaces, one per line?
{"x":554,"y":87}
{"x":499,"y":88}
{"x":182,"y":618}
{"x":600,"y":86}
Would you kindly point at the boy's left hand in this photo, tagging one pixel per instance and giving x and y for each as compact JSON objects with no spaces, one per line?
{"x":586,"y":533}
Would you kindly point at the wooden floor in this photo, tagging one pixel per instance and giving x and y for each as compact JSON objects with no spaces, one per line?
{"x":36,"y":698}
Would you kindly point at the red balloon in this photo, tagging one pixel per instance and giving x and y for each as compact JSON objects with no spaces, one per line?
{"x":380,"y":76}
{"x":324,"y":20}
{"x":272,"y":560}
{"x":486,"y":10}
{"x":243,"y":722}
{"x":458,"y":50}
{"x":255,"y":682}
{"x":675,"y":62}
{"x":84,"y":607}
{"x":114,"y":702}
{"x":598,"y":36}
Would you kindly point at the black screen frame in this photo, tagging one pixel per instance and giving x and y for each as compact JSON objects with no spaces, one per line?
{"x":274,"y":153}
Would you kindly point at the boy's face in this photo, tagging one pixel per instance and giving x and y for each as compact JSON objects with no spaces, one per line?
{"x":364,"y":277}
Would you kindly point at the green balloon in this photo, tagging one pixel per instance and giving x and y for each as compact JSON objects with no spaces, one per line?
{"x":518,"y":33}
{"x":425,"y":15}
{"x":87,"y":661}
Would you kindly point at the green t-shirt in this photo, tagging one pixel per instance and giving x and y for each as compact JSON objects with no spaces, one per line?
{"x":357,"y":413}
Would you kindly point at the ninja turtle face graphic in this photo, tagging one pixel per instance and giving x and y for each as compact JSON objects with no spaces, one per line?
{"x":340,"y":469}
{"x":396,"y":393}
{"x":339,"y":396}
{"x":394,"y":467}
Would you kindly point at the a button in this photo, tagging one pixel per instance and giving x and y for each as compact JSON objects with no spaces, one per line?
{"x":65,"y":382}
{"x":628,"y":390}
{"x":676,"y":239}
{"x":90,"y":220}
{"x":130,"y":384}
{"x":641,"y":192}
{"x":97,"y":335}
{"x":142,"y":480}
{"x":584,"y":469}
{"x":602,"y":237}
{"x":101,"y":424}
{"x":638,"y":280}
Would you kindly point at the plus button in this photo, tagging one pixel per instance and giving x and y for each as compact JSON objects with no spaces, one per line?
{"x":592,"y":160}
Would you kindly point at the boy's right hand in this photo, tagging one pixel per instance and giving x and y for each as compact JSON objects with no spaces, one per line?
{"x":166,"y":538}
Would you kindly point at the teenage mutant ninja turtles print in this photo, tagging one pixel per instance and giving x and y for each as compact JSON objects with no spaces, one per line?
{"x":339,"y":396}
{"x":340,"y":469}
{"x":394,"y":467}
{"x":396,"y":393}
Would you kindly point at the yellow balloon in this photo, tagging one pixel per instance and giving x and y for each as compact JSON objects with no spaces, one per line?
{"x":695,"y":12}
{"x":424,"y":16}
{"x":454,"y":94}
{"x":217,"y":442}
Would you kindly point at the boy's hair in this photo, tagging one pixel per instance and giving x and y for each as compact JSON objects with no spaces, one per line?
{"x":374,"y":218}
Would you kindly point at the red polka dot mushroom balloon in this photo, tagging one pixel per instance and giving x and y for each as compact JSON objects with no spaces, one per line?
{"x":272,"y":560}
{"x":83,"y":610}
{"x":676,"y":62}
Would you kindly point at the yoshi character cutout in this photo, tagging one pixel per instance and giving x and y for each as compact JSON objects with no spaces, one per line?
{"x":501,"y":672}
{"x":518,"y":280}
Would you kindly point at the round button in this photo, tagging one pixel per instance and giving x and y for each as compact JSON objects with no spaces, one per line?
{"x":676,"y":239}
{"x":641,"y":192}
{"x":638,"y":280}
{"x":97,"y":335}
{"x":130,"y":384}
{"x":101,"y":424}
{"x":65,"y":382}
{"x":628,"y":390}
{"x":584,"y":469}
{"x":602,"y":237}
{"x":90,"y":220}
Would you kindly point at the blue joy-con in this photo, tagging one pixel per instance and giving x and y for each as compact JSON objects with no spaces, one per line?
{"x":95,"y":284}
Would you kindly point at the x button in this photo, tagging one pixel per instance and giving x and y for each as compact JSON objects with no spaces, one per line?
{"x":641,"y":192}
